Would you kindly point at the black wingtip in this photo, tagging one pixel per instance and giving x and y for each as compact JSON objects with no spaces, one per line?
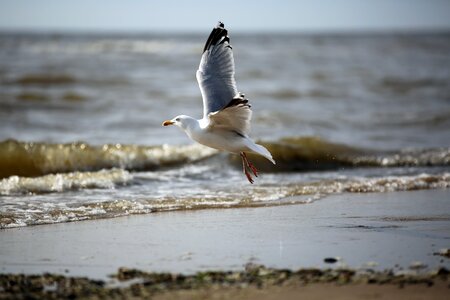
{"x":216,"y":35}
{"x":238,"y":100}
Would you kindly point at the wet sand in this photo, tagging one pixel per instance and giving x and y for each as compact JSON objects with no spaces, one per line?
{"x":316,"y":291}
{"x":399,"y":231}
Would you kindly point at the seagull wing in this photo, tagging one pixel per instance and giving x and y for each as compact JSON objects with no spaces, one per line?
{"x":234,"y":117}
{"x":215,"y":74}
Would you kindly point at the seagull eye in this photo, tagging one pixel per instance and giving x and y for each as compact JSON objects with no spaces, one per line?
{"x":177,"y":119}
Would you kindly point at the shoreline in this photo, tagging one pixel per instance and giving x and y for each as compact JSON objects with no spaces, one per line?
{"x":379,"y":230}
{"x":390,"y":237}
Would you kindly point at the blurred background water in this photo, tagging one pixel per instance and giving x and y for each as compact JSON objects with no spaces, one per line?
{"x":381,"y":91}
{"x":81,"y":134}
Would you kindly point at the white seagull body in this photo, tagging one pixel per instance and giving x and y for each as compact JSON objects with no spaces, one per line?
{"x":226,"y":113}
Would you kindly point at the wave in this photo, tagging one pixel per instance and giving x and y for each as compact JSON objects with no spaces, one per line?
{"x":375,"y":185}
{"x":292,"y":94}
{"x":18,"y":213}
{"x":36,"y":159}
{"x":292,"y":154}
{"x":45,"y":79}
{"x":99,"y":44}
{"x":404,"y":86}
{"x":38,"y":97}
{"x":313,"y":153}
{"x":104,"y":179}
{"x":116,"y":46}
{"x":62,"y":79}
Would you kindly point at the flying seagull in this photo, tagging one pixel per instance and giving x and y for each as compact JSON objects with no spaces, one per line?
{"x":226,"y":112}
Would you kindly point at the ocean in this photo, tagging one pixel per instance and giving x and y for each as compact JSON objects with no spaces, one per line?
{"x":81,"y":135}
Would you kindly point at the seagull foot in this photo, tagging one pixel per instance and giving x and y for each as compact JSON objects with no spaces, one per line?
{"x":249,"y":164}
{"x":253,"y":168}
{"x":249,"y":177}
{"x":246,"y":164}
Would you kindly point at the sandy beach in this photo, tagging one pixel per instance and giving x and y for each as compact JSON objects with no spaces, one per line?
{"x":401,"y":231}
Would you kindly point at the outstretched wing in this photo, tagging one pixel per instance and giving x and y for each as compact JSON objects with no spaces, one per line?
{"x":234,"y":117}
{"x":215,"y":74}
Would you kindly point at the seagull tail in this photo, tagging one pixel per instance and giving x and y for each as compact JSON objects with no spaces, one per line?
{"x":261,"y":150}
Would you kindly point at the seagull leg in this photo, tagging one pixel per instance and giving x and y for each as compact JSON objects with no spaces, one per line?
{"x":244,"y":167}
{"x":250,"y":165}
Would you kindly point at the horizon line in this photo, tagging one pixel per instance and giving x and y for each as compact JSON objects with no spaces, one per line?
{"x":116,"y":31}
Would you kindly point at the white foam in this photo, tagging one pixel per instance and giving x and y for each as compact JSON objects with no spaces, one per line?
{"x":43,"y":210}
{"x":104,"y":179}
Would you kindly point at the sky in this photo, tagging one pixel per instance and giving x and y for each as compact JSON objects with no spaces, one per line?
{"x":241,"y":15}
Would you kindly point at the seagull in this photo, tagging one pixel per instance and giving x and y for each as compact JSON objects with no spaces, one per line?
{"x":226,"y":112}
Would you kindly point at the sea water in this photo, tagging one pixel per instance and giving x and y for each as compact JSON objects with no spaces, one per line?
{"x":81,"y":114}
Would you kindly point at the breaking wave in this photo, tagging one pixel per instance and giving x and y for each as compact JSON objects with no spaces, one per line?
{"x":101,"y":182}
{"x":104,"y":179}
{"x":292,"y":154}
{"x":36,"y":159}
{"x":313,"y":153}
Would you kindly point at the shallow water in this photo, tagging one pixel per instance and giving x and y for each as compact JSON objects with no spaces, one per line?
{"x":81,"y":135}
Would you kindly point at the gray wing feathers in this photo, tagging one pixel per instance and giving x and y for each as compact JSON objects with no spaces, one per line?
{"x":235,"y":116}
{"x":215,"y":75}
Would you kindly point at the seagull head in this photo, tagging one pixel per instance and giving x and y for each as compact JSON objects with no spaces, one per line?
{"x":180,"y":121}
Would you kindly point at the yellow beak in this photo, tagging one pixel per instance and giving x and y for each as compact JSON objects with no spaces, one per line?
{"x":167,"y":123}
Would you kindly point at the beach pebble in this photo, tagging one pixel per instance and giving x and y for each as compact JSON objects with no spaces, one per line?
{"x":5,"y":221}
{"x":442,"y":271}
{"x":443,"y":252}
{"x":331,"y":260}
